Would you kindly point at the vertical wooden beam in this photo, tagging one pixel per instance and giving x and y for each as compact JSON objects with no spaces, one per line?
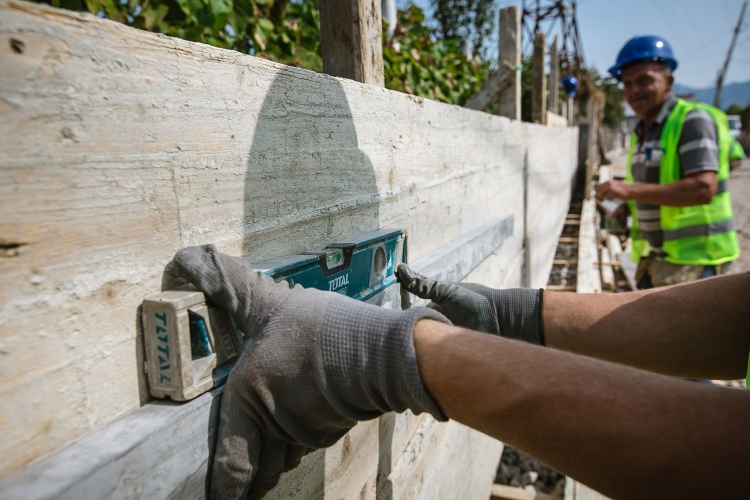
{"x":351,"y":34}
{"x":539,"y":82}
{"x":509,"y":100}
{"x":554,"y":77}
{"x":592,"y":149}
{"x":570,"y":111}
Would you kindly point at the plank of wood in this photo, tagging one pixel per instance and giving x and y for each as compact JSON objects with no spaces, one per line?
{"x":554,"y":79}
{"x":120,"y":146}
{"x":509,"y":51}
{"x":607,"y":274}
{"x":588,"y":277}
{"x":501,"y":79}
{"x":575,"y":490}
{"x":605,"y":174}
{"x":555,"y":120}
{"x":351,"y":36}
{"x":457,"y":259}
{"x":561,"y":288}
{"x":568,"y":239}
{"x":614,"y":246}
{"x":503,"y":492}
{"x":565,"y":262}
{"x":539,"y":80}
{"x":628,"y":269}
{"x":592,"y":152}
{"x":164,"y":448}
{"x":547,"y":209}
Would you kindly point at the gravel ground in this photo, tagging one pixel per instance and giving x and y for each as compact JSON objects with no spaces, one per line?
{"x":739,"y":185}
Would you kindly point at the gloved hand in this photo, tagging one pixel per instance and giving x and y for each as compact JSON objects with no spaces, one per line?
{"x":314,"y":364}
{"x":514,"y":313}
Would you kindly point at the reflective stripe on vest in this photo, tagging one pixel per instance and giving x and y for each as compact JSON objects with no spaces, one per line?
{"x":698,"y":235}
{"x":701,"y":230}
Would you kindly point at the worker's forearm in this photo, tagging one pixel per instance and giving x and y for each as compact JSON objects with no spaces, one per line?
{"x":687,"y":192}
{"x":696,"y":330}
{"x":624,"y":432}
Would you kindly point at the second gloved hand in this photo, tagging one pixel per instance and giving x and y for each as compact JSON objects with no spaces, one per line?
{"x":514,"y":313}
{"x":314,"y":364}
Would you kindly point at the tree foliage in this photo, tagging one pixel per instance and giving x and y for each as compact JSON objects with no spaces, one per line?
{"x":418,"y":63}
{"x":415,"y":60}
{"x":280,"y":30}
{"x":734,"y":109}
{"x":470,"y":19}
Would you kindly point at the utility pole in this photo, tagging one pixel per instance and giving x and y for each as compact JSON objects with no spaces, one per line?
{"x":723,"y":72}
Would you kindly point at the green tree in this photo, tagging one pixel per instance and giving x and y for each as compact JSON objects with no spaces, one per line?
{"x":471,"y":19}
{"x":280,"y":30}
{"x":417,"y":62}
{"x":527,"y":86}
{"x":614,"y":103}
{"x":734,"y":109}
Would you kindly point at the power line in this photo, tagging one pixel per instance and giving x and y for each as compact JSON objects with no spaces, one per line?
{"x":723,"y":72}
{"x":669,"y":20}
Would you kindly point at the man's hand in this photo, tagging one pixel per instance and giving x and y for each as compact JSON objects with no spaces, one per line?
{"x":314,"y":364}
{"x":621,"y":214}
{"x":614,"y":189}
{"x":513,"y":313}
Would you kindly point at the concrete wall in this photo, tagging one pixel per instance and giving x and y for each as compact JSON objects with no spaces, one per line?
{"x":118,"y":147}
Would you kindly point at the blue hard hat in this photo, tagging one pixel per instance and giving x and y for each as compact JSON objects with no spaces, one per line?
{"x":570,"y":84}
{"x":643,"y":48}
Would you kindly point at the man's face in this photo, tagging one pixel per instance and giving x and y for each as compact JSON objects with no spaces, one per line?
{"x":646,"y":87}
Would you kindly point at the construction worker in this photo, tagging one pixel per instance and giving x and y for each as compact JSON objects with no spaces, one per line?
{"x":315,"y":363}
{"x":676,"y":180}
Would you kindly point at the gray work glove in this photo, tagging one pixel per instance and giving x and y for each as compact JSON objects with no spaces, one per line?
{"x":514,"y":313}
{"x":314,"y":364}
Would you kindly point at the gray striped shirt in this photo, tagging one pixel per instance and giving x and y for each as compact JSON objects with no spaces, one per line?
{"x":698,"y":152}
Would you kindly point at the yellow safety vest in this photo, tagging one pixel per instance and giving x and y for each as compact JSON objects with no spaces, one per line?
{"x":697,"y":235}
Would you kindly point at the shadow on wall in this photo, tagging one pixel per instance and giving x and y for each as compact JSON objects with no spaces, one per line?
{"x":307,"y":185}
{"x":307,"y":182}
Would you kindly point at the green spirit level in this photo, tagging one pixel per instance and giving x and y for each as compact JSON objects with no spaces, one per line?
{"x":191,"y":344}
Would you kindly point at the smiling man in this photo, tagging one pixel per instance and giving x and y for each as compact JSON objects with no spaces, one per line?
{"x":676,"y":181}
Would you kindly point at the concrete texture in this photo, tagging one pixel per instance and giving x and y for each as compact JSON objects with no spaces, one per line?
{"x":118,"y":147}
{"x":163,"y":449}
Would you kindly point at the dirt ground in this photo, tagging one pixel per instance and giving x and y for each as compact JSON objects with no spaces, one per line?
{"x":739,"y":186}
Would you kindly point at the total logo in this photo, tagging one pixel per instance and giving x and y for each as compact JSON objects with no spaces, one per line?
{"x":338,"y":282}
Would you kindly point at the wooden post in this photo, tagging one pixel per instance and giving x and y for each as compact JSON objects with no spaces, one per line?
{"x":554,"y":77}
{"x":509,"y":100}
{"x":570,"y":111}
{"x":592,"y":149}
{"x":351,"y":34}
{"x":539,"y":82}
{"x":505,"y":83}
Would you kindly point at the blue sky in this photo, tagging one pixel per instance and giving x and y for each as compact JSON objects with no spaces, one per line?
{"x":698,"y":30}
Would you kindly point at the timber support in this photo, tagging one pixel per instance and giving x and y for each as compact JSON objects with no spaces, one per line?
{"x":351,"y":34}
{"x":539,"y":81}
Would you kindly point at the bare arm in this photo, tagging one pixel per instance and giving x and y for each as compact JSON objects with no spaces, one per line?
{"x":624,"y":432}
{"x":694,"y":189}
{"x":697,"y":330}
